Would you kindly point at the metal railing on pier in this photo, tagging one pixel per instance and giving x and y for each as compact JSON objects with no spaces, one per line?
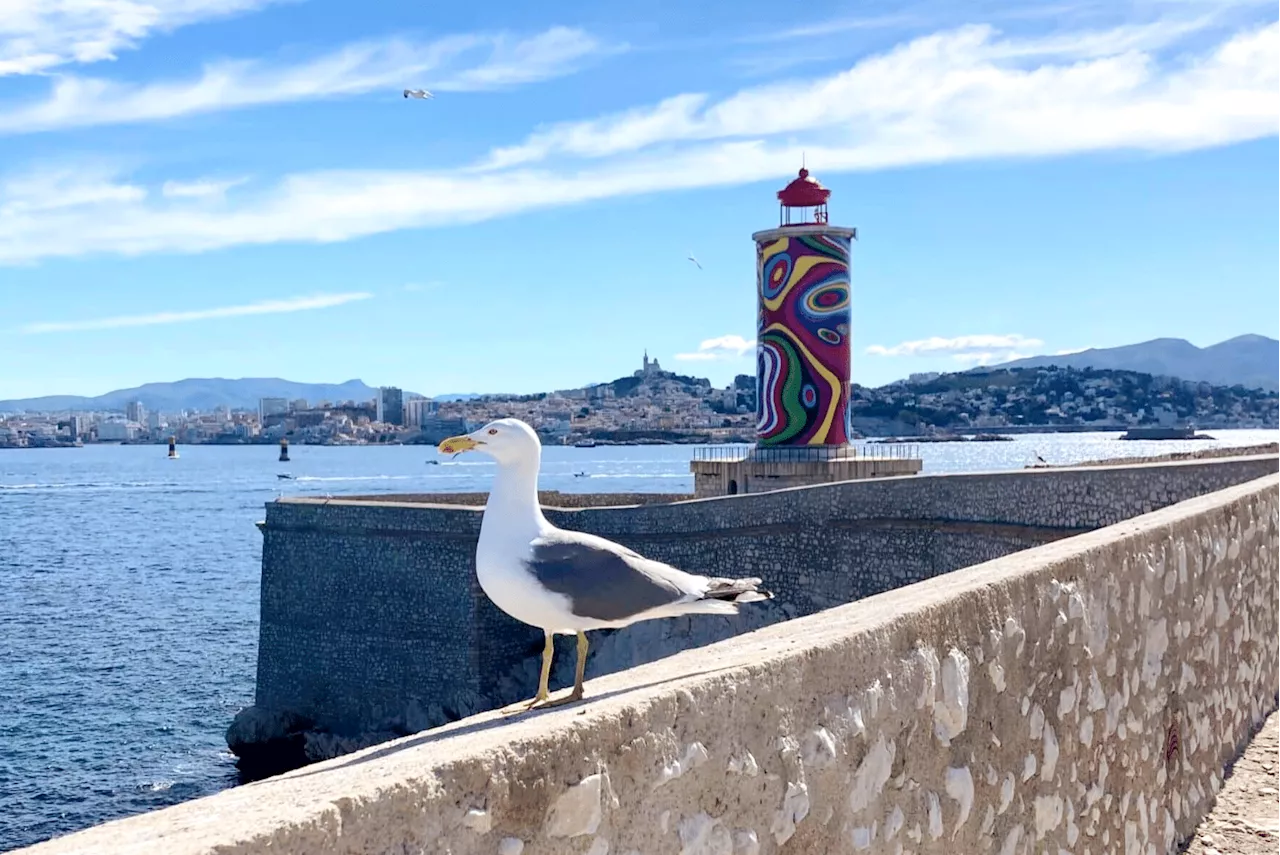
{"x":807,"y":453}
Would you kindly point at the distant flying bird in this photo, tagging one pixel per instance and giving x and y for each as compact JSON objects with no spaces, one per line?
{"x":417,"y":93}
{"x":694,"y":260}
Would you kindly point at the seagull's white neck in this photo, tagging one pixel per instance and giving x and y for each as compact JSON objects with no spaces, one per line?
{"x":513,"y":499}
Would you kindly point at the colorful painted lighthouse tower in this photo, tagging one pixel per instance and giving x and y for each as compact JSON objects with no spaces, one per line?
{"x":804,"y":322}
{"x":803,"y":364}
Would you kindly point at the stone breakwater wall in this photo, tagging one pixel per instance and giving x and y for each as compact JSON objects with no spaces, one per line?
{"x":372,"y":623}
{"x":1083,"y":696}
{"x":1202,"y":454}
{"x":549,"y":498}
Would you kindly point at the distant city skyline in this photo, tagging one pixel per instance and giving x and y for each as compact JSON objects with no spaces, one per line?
{"x":238,"y":188}
{"x":1249,"y":360}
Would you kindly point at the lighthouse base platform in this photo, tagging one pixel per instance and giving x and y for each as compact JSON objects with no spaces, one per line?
{"x":733,"y":470}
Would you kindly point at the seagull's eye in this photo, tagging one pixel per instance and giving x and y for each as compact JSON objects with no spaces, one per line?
{"x":493,"y":431}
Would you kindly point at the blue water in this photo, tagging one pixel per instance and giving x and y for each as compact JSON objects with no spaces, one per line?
{"x":129,"y":614}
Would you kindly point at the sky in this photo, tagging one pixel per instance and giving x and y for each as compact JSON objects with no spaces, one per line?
{"x":231,"y":188}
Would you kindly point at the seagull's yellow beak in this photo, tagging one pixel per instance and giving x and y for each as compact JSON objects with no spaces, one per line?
{"x":456,"y":444}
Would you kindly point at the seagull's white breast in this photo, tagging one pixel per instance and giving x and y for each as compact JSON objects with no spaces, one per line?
{"x":506,"y":580}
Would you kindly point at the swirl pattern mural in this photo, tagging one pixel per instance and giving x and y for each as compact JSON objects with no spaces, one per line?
{"x":802,"y":343}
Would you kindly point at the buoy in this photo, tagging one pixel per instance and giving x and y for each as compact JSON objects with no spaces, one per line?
{"x":284,"y":451}
{"x":173,"y":448}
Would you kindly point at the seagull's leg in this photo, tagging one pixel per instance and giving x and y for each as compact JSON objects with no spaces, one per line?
{"x":581,"y":669}
{"x":577,"y":677}
{"x":548,"y":650}
{"x":579,"y":672}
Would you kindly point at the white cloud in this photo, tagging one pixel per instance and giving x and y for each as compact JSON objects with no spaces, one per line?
{"x":202,"y":189}
{"x":721,"y":347}
{"x":63,"y":190}
{"x":39,"y":35}
{"x":833,"y":26}
{"x":456,"y":63}
{"x":970,"y":93}
{"x":265,"y":307}
{"x":959,"y":95}
{"x":963,"y":347}
{"x":553,"y":53}
{"x":989,"y":358}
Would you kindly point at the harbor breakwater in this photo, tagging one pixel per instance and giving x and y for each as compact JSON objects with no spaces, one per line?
{"x":373,"y":626}
{"x":1086,"y":694}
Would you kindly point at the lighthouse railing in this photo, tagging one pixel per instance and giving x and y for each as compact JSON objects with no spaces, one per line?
{"x":807,"y":453}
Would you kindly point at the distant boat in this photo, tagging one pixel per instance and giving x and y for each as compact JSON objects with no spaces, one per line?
{"x":433,"y":462}
{"x":284,"y":476}
{"x":579,"y":474}
{"x":585,"y":443}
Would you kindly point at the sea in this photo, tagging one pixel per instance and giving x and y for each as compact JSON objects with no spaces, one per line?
{"x":129,"y":605}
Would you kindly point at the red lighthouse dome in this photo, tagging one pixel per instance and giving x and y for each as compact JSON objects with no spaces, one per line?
{"x":804,"y":194}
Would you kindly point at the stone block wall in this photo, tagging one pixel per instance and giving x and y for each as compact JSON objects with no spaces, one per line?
{"x":1083,"y":696}
{"x":372,"y":621}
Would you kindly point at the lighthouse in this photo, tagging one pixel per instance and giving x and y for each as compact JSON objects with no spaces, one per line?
{"x":803,"y":322}
{"x":804,"y":328}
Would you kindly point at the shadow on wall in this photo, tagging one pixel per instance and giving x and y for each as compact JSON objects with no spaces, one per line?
{"x":269,"y":743}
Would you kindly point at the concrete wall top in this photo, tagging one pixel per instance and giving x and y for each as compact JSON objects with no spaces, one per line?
{"x":1047,"y":498}
{"x":1079,"y":696}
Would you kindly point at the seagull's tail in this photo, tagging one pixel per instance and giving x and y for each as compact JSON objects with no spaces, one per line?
{"x":723,"y":596}
{"x":737,"y":590}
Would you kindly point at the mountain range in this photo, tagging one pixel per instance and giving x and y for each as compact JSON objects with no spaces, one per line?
{"x":1252,"y":361}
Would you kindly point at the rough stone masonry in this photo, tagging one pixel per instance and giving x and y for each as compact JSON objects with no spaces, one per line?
{"x":373,"y":625}
{"x":1083,"y":696}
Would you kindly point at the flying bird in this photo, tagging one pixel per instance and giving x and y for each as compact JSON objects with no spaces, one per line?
{"x":569,"y":582}
{"x":417,"y":93}
{"x":695,"y":261}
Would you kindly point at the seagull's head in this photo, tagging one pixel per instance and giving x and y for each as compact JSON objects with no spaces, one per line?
{"x":505,"y":440}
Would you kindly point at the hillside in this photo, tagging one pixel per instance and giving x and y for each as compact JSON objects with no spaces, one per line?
{"x":198,"y":394}
{"x":1098,"y":398}
{"x":1252,"y":361}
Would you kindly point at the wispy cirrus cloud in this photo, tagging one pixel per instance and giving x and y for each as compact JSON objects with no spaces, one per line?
{"x":970,"y":93}
{"x":458,"y":63}
{"x":960,"y":95}
{"x":989,"y":357}
{"x":200,"y":189}
{"x":962,"y":347}
{"x":264,"y":307}
{"x":721,"y":347}
{"x":39,"y":35}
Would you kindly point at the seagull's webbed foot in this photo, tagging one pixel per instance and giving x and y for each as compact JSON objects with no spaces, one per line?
{"x":544,"y":694}
{"x":542,"y":700}
{"x":525,"y":706}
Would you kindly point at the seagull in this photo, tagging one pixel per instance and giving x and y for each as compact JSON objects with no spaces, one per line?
{"x":569,"y":582}
{"x":417,"y":93}
{"x":694,"y":260}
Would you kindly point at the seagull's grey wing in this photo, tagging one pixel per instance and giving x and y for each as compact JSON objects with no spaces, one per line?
{"x":602,"y":580}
